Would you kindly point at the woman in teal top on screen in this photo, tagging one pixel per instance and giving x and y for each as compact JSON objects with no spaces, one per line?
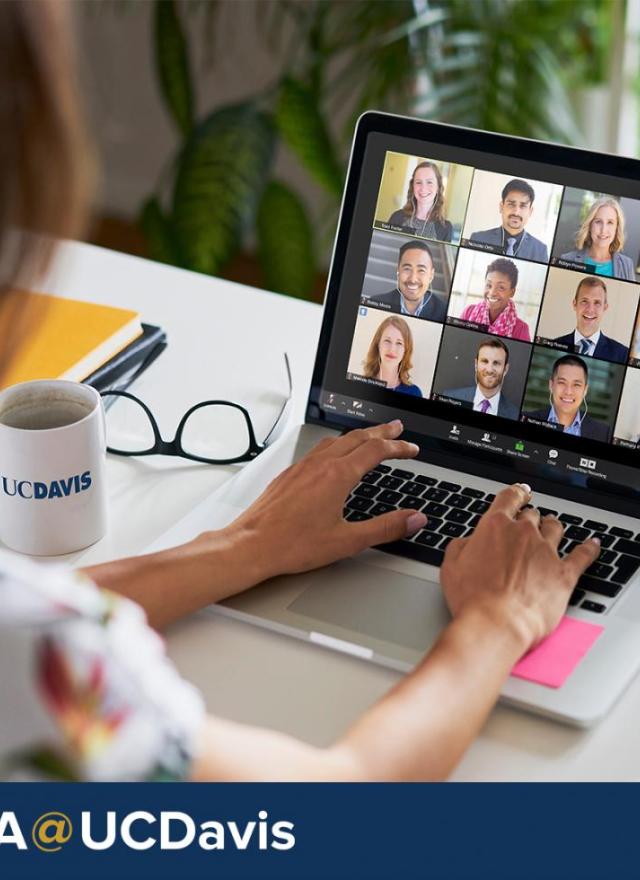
{"x":389,"y":356}
{"x":600,"y":240}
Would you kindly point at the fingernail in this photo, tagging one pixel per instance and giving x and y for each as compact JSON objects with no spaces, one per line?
{"x":414,"y":448}
{"x":596,"y":541}
{"x":396,"y":423}
{"x":415,"y":522}
{"x":525,"y":486}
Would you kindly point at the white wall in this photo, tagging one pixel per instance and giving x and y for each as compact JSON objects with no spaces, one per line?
{"x":135,"y":136}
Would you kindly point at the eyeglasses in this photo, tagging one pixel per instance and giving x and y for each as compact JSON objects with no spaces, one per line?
{"x":213,"y":431}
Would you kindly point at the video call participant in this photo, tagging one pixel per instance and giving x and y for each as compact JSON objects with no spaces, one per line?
{"x":491,"y":368}
{"x":422,"y":213}
{"x":413,"y":295}
{"x":568,"y":387}
{"x":497,"y":309}
{"x":516,"y":208}
{"x":389,"y":356}
{"x":590,"y":304}
{"x":600,"y":240}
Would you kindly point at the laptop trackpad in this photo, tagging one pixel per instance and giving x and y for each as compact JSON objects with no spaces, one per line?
{"x":377,"y":602}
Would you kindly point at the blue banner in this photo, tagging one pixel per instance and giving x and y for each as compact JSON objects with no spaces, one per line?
{"x":445,"y":832}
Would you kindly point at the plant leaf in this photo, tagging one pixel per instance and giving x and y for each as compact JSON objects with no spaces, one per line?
{"x":172,"y":64}
{"x":303,"y":130}
{"x":220,"y":177}
{"x":285,"y":242}
{"x":158,"y":233}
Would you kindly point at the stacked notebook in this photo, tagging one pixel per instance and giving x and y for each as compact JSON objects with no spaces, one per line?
{"x":56,"y":338}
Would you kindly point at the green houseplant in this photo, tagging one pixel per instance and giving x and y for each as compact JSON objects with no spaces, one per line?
{"x":503,"y":65}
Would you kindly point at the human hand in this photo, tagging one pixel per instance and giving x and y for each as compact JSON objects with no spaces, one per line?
{"x":509,"y":568}
{"x":297,"y":523}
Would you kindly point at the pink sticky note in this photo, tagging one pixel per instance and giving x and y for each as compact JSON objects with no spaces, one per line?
{"x":554,"y":659}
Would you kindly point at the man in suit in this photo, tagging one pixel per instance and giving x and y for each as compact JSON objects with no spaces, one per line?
{"x":568,"y":388}
{"x":413,"y":295}
{"x":511,"y":238}
{"x":491,"y":368}
{"x":590,"y":304}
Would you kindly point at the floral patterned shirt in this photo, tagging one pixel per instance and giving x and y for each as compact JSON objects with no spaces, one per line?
{"x":86,"y":690}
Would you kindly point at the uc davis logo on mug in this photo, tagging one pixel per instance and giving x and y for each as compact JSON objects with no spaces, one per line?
{"x":61,"y":488}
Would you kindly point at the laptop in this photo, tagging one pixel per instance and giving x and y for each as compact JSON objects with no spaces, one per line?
{"x":484,"y":289}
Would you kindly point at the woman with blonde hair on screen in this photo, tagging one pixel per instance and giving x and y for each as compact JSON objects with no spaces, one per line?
{"x":600,"y":240}
{"x":423,"y":211}
{"x":390,"y":354}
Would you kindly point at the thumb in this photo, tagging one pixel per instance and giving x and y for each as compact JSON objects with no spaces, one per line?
{"x":391,"y":526}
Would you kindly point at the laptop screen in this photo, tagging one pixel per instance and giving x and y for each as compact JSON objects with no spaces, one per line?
{"x":485,"y":290}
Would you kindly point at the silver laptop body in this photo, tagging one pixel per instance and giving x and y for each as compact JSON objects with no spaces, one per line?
{"x":387,"y":607}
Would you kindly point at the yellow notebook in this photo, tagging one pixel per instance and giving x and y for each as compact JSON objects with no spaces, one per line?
{"x":49,"y":337}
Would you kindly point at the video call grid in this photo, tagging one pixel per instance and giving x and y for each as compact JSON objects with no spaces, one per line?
{"x":534,"y":341}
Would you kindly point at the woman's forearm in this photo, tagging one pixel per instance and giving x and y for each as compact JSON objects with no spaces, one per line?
{"x":421,"y":729}
{"x":173,"y":583}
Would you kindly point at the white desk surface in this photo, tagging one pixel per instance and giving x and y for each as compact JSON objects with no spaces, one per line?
{"x":227,"y":340}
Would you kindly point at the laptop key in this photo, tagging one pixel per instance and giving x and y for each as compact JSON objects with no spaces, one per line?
{"x":576,"y":533}
{"x":381,"y":508}
{"x":570,"y":519}
{"x":631,"y":548}
{"x":625,"y":568}
{"x":462,"y":501}
{"x":474,"y":522}
{"x":595,"y":526}
{"x":366,"y":491}
{"x":576,"y":597}
{"x":546,"y":511}
{"x":357,"y":516}
{"x":479,"y":507}
{"x":472,"y":493}
{"x":450,"y":487}
{"x":389,"y":497}
{"x":434,"y":509}
{"x":370,"y":477}
{"x":606,"y":540}
{"x":445,"y":543}
{"x":429,"y":539}
{"x":607,"y":556}
{"x":453,"y":530}
{"x":410,"y":503}
{"x":432,"y":523}
{"x":411,"y":488}
{"x":490,"y":497}
{"x":426,"y":481}
{"x":435,"y":494}
{"x":596,"y":607}
{"x":599,"y":570}
{"x":389,"y":482}
{"x":382,"y":468}
{"x":620,"y":533}
{"x":361,"y":504}
{"x":404,"y":475}
{"x":595,"y":585}
{"x":458,"y":516}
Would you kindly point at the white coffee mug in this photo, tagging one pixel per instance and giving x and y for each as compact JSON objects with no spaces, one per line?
{"x":53,"y":497}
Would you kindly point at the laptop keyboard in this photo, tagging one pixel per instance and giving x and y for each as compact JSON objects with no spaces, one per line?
{"x":454,"y":511}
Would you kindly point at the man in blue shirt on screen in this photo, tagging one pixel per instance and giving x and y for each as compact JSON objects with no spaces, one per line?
{"x":511,"y":238}
{"x":568,"y":387}
{"x":590,"y":304}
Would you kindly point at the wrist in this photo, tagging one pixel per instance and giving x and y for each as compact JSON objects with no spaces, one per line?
{"x":236,"y":554}
{"x":504,"y":623}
